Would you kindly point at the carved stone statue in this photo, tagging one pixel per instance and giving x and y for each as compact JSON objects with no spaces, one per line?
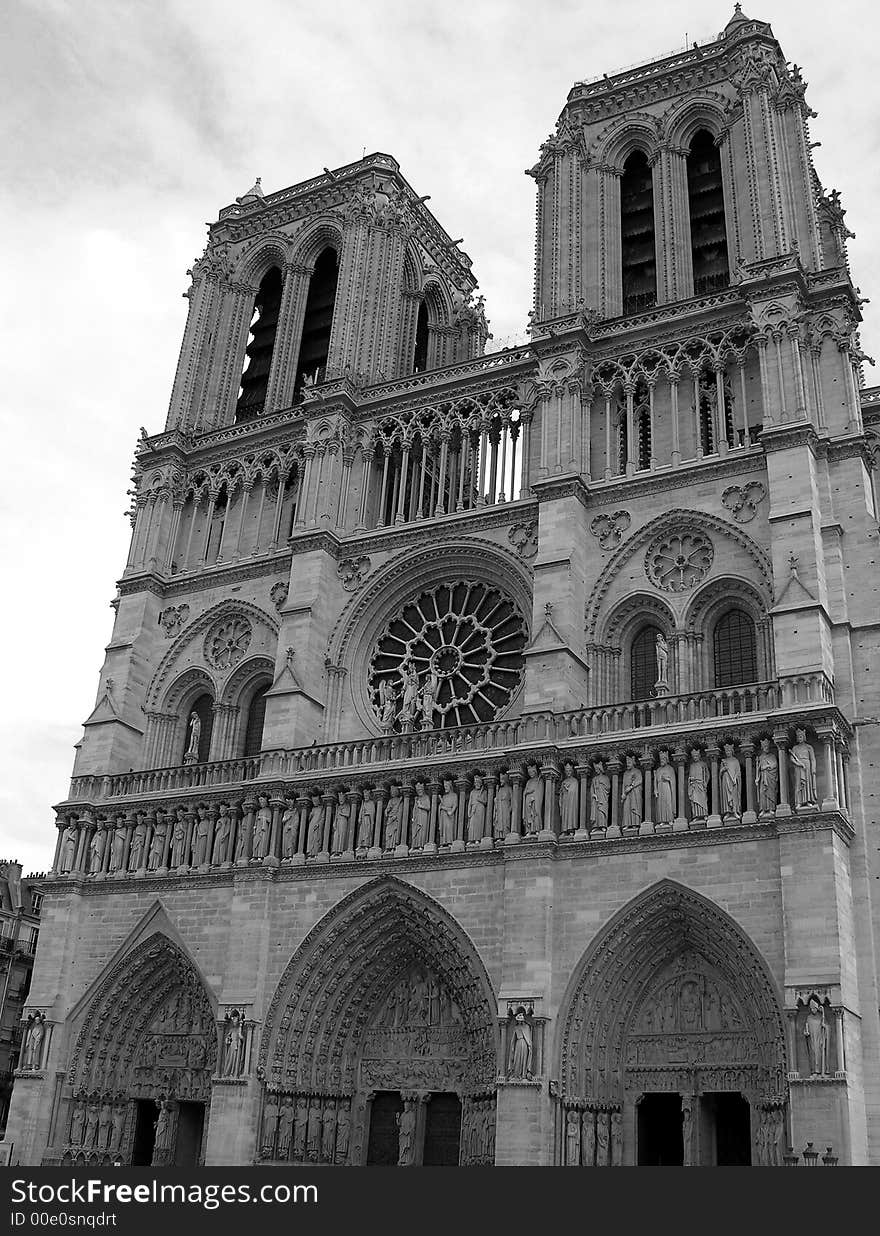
{"x":519,"y":1061}
{"x":341,"y":819}
{"x":421,"y":816}
{"x":105,"y":1124}
{"x":731,"y":783}
{"x":428,"y":698}
{"x":448,"y":813}
{"x":285,"y":1130}
{"x":767,"y":778}
{"x":631,"y":796}
{"x":572,"y":1139}
{"x":328,"y":1131}
{"x":816,"y":1036}
{"x":600,"y":796}
{"x":162,"y":1140}
{"x":313,"y":1136}
{"x":157,"y":844}
{"x":178,"y":845}
{"x":366,"y":822}
{"x":393,"y":818}
{"x":803,"y":771}
{"x":200,"y":837}
{"x":76,"y":1125}
{"x":664,"y":790}
{"x":568,"y":800}
{"x":96,"y":849}
{"x":32,"y":1056}
{"x":68,"y":849}
{"x":262,"y":828}
{"x":194,"y":727}
{"x":588,"y":1138}
{"x":409,"y":702}
{"x":502,"y":809}
{"x":138,"y":842}
{"x":387,"y":705}
{"x":90,"y":1136}
{"x":603,"y":1139}
{"x":343,"y":1132}
{"x":315,"y":834}
{"x":118,"y":1126}
{"x":617,"y":1139}
{"x":289,"y":829}
{"x":698,"y":785}
{"x":662,"y":651}
{"x":300,"y":1125}
{"x":117,"y":849}
{"x":533,"y":801}
{"x":476,"y":810}
{"x":233,"y":1041}
{"x":687,"y":1130}
{"x":222,"y":834}
{"x":406,"y":1129}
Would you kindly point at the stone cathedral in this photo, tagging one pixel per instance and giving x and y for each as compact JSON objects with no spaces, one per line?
{"x":483,"y":763}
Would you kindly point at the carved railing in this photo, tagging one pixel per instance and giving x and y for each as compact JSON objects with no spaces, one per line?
{"x":494,"y":736}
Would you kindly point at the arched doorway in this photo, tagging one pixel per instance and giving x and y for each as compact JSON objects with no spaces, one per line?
{"x":672,"y":1047}
{"x":140,"y":1074}
{"x":381,"y":1040}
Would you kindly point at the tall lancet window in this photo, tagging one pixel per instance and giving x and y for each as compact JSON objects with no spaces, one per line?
{"x":314,"y":347}
{"x":706,"y":203}
{"x":261,"y":345}
{"x":638,"y":253}
{"x":420,"y":358}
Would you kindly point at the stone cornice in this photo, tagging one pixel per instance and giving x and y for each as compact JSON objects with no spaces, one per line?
{"x":572,"y":485}
{"x":622,"y":489}
{"x":464,"y":522}
{"x":787,"y":435}
{"x":209,"y":577}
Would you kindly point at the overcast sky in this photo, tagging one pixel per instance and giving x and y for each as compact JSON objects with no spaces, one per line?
{"x":126,"y":125}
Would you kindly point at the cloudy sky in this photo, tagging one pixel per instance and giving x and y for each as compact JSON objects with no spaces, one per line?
{"x":126,"y":125}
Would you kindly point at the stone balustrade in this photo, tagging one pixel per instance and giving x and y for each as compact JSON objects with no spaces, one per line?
{"x":697,"y":708}
{"x":746,"y":772}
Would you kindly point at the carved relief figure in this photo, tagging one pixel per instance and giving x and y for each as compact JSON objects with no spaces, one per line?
{"x":568,"y":800}
{"x":664,"y":790}
{"x":600,"y":794}
{"x":393,"y":818}
{"x":428,"y":698}
{"x":232,"y":1045}
{"x":803,"y":771}
{"x":76,"y":1125}
{"x":816,"y":1036}
{"x":68,"y":848}
{"x":91,"y":1130}
{"x":222,"y":833}
{"x":533,"y":800}
{"x":194,"y":727}
{"x":262,"y":828}
{"x":96,"y":850}
{"x":289,"y":829}
{"x":698,"y":785}
{"x":32,"y":1056}
{"x":314,"y":836}
{"x":631,"y":795}
{"x":502,"y":809}
{"x":519,"y":1063}
{"x":572,"y":1139}
{"x":406,"y":1127}
{"x":313,"y":1138}
{"x":105,"y":1123}
{"x":687,"y":1129}
{"x":662,"y":653}
{"x":117,"y":852}
{"x":617,"y":1139}
{"x":341,"y":818}
{"x":285,"y":1130}
{"x":476,"y":810}
{"x":421,"y":816}
{"x":138,"y":842}
{"x":767,"y":778}
{"x":588,"y":1138}
{"x":448,"y":813}
{"x":731,"y":783}
{"x":178,"y":845}
{"x":162,"y":1140}
{"x":603,"y":1139}
{"x":387,"y":703}
{"x":118,"y":1126}
{"x":300,"y":1125}
{"x":200,"y":840}
{"x":343,"y":1132}
{"x":328,"y":1131}
{"x":367,"y":821}
{"x":157,"y":845}
{"x":409,"y":703}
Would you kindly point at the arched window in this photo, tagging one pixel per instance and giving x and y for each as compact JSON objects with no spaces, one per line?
{"x":642,"y":421}
{"x":420,"y":360}
{"x":261,"y":345}
{"x":622,"y":436}
{"x":643,"y":663}
{"x":218,"y":523}
{"x":203,"y":708}
{"x":706,"y":204}
{"x":314,"y":346}
{"x":735,"y":650}
{"x":638,"y":253}
{"x":256,"y":715}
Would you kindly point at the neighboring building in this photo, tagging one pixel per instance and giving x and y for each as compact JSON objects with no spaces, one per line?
{"x":19,"y":931}
{"x":504,"y":728}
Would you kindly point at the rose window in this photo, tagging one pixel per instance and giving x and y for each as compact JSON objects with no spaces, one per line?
{"x":677,"y":563}
{"x":451,"y":657}
{"x":228,"y":642}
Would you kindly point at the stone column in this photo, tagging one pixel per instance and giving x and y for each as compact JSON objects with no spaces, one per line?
{"x":433,"y":788}
{"x":747,"y":750}
{"x":550,"y":774}
{"x":679,"y":759}
{"x":583,"y":828}
{"x":462,"y":784}
{"x":646,"y":763}
{"x":406,"y":793}
{"x":329,"y":801}
{"x":516,"y":778}
{"x":780,"y":738}
{"x":714,"y":818}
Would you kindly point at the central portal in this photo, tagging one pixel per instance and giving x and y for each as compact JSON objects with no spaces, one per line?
{"x":660,"y":1141}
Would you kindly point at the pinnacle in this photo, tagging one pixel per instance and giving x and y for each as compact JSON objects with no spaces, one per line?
{"x":255,"y":193}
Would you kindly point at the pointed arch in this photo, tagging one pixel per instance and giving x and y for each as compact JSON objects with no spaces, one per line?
{"x":347,"y":966}
{"x":608,"y":991}
{"x":320,"y":233}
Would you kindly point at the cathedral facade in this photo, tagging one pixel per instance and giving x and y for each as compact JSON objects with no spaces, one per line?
{"x":481,"y":768}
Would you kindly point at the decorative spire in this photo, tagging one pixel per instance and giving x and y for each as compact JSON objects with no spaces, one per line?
{"x":739,"y":19}
{"x":254,"y":194}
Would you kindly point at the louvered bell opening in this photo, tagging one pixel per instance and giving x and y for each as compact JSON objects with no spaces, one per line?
{"x":318,"y":321}
{"x":261,"y":345}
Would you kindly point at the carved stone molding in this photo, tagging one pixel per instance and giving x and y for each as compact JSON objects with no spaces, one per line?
{"x":353,"y":571}
{"x":608,"y":529}
{"x":173,"y":618}
{"x":227,"y":642}
{"x":677,"y":562}
{"x":524,"y":538}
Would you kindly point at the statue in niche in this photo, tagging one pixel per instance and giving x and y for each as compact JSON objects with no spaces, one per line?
{"x":313,"y":1135}
{"x":67,"y":858}
{"x":687,"y":1130}
{"x":731,"y":783}
{"x":367,"y":821}
{"x":803,"y":771}
{"x":285,"y":1129}
{"x":533,"y":801}
{"x":118,"y":1126}
{"x":222,"y":834}
{"x":96,"y":849}
{"x":502,"y":809}
{"x":200,"y":839}
{"x":698,"y":785}
{"x":270,"y":1118}
{"x":428,"y":698}
{"x":572,"y":1139}
{"x":631,"y":796}
{"x":233,"y":1041}
{"x":603,"y":1139}
{"x":664,"y":790}
{"x":519,"y":1056}
{"x":767,"y":778}
{"x":76,"y":1125}
{"x":328,"y":1131}
{"x":178,"y":839}
{"x":816,"y":1038}
{"x":300,"y":1126}
{"x":194,"y":728}
{"x":568,"y":800}
{"x":138,"y":843}
{"x":617,"y":1139}
{"x":289,"y":829}
{"x":421,"y":816}
{"x":341,"y":818}
{"x":588,"y":1138}
{"x":262,"y":828}
{"x":32,"y":1056}
{"x":476,"y":810}
{"x":393,"y":818}
{"x":157,"y":844}
{"x":387,"y":705}
{"x":162,"y":1139}
{"x":241,"y":841}
{"x":105,"y":1124}
{"x":600,"y":797}
{"x":343,"y":1132}
{"x":661,"y":686}
{"x":448,"y":812}
{"x":315,"y":833}
{"x":91,"y":1127}
{"x":409,"y":693}
{"x":406,"y":1129}
{"x":117,"y":849}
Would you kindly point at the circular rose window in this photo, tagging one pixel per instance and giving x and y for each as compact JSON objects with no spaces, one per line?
{"x":227,"y":642}
{"x":677,"y":563}
{"x":453,"y":656}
